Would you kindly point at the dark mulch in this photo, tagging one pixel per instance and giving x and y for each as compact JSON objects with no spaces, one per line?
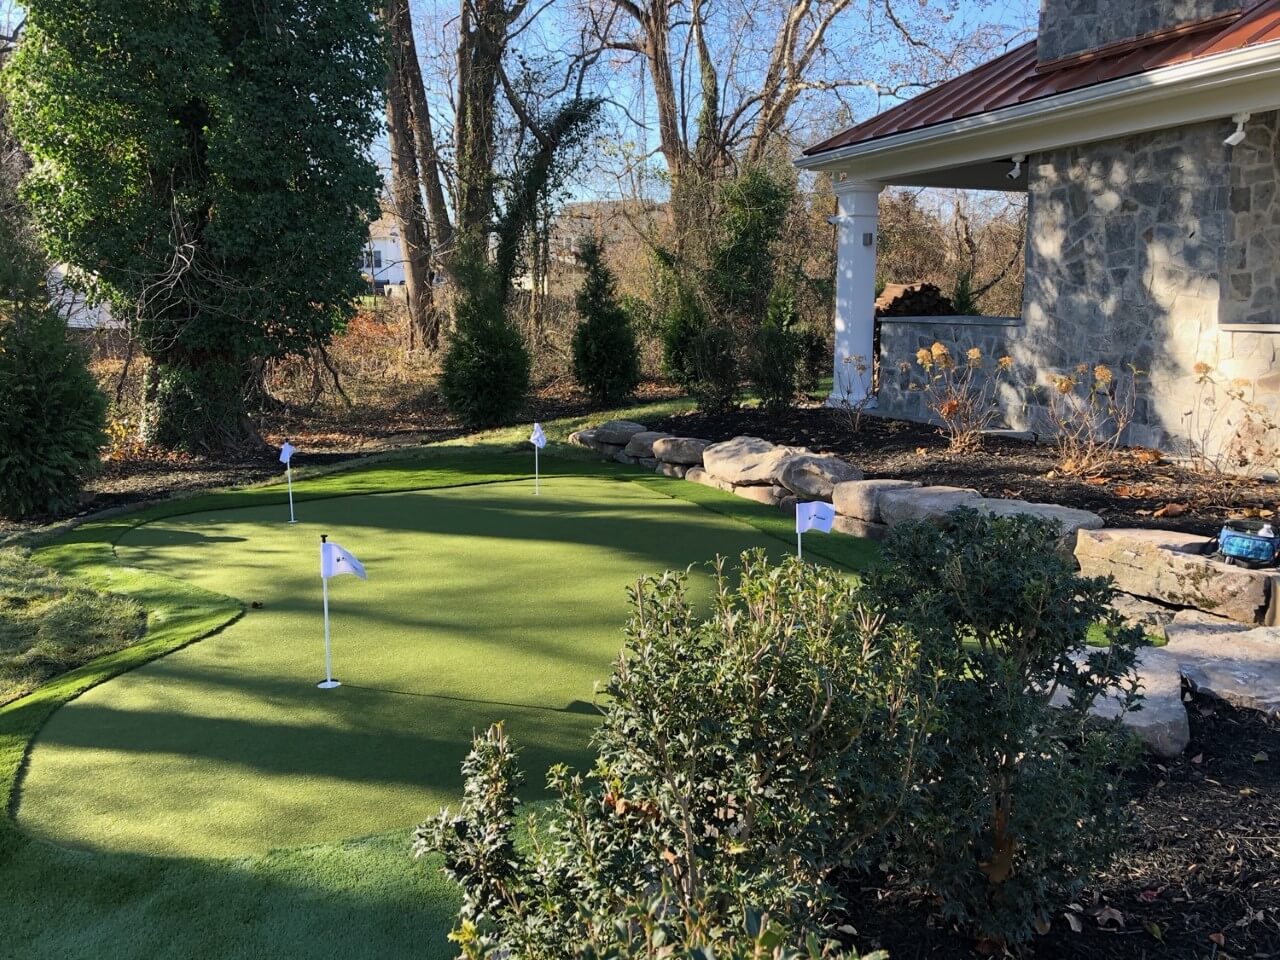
{"x":325,"y":437}
{"x":1132,"y":492}
{"x":1201,"y":878}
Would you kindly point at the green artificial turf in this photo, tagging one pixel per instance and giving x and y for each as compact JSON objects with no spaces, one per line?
{"x":482,"y":604}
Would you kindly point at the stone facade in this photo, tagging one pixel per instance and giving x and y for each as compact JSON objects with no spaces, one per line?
{"x":1068,"y":27}
{"x":1157,"y":251}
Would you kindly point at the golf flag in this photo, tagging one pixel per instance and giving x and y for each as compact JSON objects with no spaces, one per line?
{"x":286,"y":457}
{"x":539,"y":440}
{"x":815,"y":515}
{"x":335,"y":561}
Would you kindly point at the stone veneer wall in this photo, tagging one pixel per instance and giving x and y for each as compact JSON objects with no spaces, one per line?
{"x":1157,"y":250}
{"x":1069,"y":27}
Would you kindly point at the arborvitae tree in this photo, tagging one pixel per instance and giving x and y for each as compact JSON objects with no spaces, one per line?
{"x":605,"y":362}
{"x":207,"y":163}
{"x":51,"y":413}
{"x":485,"y":374}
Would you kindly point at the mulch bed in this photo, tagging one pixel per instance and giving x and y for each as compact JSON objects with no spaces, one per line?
{"x":1132,"y":492}
{"x":325,"y":437}
{"x":1201,"y":878}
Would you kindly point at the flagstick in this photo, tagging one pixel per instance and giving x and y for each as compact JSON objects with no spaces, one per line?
{"x":799,"y":546}
{"x":288,"y":472}
{"x":535,"y":469}
{"x":328,"y":683}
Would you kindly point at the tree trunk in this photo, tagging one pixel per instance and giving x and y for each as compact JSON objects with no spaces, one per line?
{"x":406,"y":187}
{"x":197,"y":403}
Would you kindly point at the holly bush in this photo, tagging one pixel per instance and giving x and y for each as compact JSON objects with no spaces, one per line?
{"x":1022,"y":801}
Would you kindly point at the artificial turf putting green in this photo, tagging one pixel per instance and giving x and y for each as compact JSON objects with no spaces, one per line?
{"x":483,"y":603}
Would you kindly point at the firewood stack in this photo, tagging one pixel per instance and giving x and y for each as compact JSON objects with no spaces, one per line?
{"x":913,"y":300}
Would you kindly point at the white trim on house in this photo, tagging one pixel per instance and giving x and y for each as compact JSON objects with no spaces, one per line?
{"x":1245,"y":80}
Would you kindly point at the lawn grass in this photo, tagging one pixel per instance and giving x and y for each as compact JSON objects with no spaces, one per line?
{"x":341,"y":898}
{"x":49,"y":625}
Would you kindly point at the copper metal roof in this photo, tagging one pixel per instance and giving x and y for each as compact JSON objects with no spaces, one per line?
{"x":1017,"y":77}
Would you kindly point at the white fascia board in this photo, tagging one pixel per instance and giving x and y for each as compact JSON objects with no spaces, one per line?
{"x":1246,"y":80}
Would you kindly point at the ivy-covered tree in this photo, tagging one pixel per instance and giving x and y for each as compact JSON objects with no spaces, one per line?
{"x":605,"y":362}
{"x":204,"y":165}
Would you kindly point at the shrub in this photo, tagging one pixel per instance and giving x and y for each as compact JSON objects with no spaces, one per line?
{"x":1227,"y":429}
{"x":815,"y":358}
{"x":52,"y":415}
{"x":961,"y":395}
{"x":1089,"y":410}
{"x":962,"y":295}
{"x":605,"y":362}
{"x":854,"y":389}
{"x":485,"y":373}
{"x":742,"y":759}
{"x":684,"y":320}
{"x":1021,"y":804}
{"x":713,"y":375}
{"x":775,"y":364}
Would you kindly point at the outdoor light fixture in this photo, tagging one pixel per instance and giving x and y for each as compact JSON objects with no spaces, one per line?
{"x":1237,"y":138}
{"x":1016,"y":172}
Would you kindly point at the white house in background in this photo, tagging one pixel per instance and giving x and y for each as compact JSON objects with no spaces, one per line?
{"x":382,"y":262}
{"x":74,"y":308}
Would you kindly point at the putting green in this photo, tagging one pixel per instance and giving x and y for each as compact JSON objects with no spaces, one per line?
{"x":483,"y":603}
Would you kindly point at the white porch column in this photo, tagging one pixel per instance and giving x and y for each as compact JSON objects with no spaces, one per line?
{"x":857,"y":222}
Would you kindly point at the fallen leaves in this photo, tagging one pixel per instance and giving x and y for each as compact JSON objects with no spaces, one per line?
{"x":1172,"y":510}
{"x":1261,"y":757}
{"x":1110,"y":917}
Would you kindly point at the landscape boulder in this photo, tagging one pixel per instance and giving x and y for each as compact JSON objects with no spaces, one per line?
{"x":1161,"y":723}
{"x":583,"y":438}
{"x":1069,"y":519}
{"x":676,"y":470}
{"x":923,"y":503}
{"x":1168,"y":566}
{"x":814,"y":476}
{"x":1240,"y":667}
{"x":860,"y":499}
{"x":700,"y":475}
{"x":641,"y":444}
{"x":770,"y":496}
{"x":682,"y":450}
{"x":618,"y":432}
{"x":854,"y":527}
{"x":746,"y":461}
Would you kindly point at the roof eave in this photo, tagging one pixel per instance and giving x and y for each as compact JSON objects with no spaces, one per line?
{"x":1247,"y":80}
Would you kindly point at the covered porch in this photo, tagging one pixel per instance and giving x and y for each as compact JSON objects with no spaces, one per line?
{"x":1132,"y":159}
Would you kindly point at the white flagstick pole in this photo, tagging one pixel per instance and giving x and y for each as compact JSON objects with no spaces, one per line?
{"x":535,"y":470}
{"x":328,"y":683}
{"x":799,"y":545}
{"x":288,"y":472}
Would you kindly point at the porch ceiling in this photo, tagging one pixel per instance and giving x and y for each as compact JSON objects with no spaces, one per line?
{"x":964,"y":132}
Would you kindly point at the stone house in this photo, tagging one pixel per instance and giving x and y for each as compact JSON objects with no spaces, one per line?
{"x":1147,"y":139}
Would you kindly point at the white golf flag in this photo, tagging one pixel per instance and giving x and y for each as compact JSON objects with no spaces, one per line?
{"x":538,"y":438}
{"x":334,"y":562}
{"x":814,"y":516}
{"x":286,"y":452}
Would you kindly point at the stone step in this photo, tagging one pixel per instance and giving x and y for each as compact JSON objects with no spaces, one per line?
{"x":1168,"y":566}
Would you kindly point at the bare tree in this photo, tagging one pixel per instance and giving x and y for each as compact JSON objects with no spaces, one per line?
{"x":406,"y":184}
